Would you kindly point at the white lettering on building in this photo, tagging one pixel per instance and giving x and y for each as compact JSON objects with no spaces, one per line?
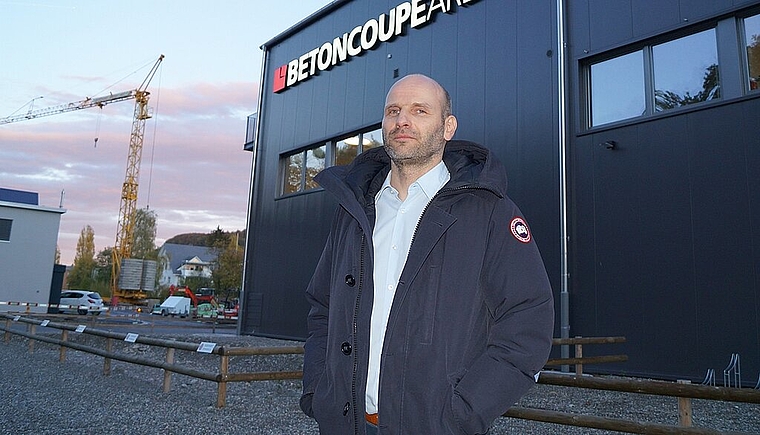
{"x":409,"y":14}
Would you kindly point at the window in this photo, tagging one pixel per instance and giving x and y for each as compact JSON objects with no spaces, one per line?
{"x":654,"y":78}
{"x":347,"y":149}
{"x":300,"y":168}
{"x":686,"y":71}
{"x":752,"y":42}
{"x":5,"y":229}
{"x":617,"y":89}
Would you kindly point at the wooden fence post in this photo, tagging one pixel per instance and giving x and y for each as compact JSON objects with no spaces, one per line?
{"x":578,"y":354}
{"x":64,"y":338}
{"x":32,"y":329}
{"x":684,"y":408}
{"x":221,"y":393}
{"x":167,"y":373}
{"x":7,"y":330}
{"x":107,"y":361}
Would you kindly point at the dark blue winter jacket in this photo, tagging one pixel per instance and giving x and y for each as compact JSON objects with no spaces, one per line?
{"x":471,"y":321}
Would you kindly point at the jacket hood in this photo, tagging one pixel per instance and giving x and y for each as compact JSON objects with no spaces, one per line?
{"x":470,"y":165}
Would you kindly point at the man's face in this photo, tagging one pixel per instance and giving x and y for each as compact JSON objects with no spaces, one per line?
{"x":415,"y":130}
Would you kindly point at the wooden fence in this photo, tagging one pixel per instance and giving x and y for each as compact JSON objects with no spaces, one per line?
{"x":684,"y":391}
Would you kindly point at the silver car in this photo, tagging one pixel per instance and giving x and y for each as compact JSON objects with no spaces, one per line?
{"x":81,"y":302}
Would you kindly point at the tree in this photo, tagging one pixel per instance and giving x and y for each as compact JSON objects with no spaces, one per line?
{"x":228,"y":270}
{"x":81,"y":275}
{"x":102,"y":273}
{"x":666,"y":100}
{"x":217,"y":239}
{"x":144,"y":241}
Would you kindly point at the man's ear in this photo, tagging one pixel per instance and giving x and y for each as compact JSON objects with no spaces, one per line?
{"x":449,"y":127}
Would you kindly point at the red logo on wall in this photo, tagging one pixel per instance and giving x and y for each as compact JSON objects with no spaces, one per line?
{"x":280,"y":75}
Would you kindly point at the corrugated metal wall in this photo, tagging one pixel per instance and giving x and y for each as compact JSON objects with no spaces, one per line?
{"x":474,"y":52}
{"x":665,"y":246}
{"x":664,"y":230}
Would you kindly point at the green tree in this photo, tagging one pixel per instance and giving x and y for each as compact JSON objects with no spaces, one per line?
{"x":81,"y":275}
{"x":195,"y":282}
{"x":102,"y":274}
{"x":144,"y":241}
{"x":228,"y":271}
{"x":217,"y":239}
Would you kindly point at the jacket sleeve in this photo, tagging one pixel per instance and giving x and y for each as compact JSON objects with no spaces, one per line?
{"x":315,"y":348}
{"x":520,"y":305}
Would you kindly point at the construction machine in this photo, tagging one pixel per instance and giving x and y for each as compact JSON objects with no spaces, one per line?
{"x":125,"y":226}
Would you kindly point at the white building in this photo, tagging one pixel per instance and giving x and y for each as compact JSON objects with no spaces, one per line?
{"x":28,"y":238}
{"x":184,"y":261}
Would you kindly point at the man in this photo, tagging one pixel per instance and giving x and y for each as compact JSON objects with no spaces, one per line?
{"x":431,"y":312}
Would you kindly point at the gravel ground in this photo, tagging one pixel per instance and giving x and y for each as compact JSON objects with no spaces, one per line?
{"x":45,"y":396}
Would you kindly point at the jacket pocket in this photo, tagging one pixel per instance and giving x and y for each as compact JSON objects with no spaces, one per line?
{"x":423,"y":306}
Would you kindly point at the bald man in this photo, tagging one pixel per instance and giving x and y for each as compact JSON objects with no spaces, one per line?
{"x":431,"y":312}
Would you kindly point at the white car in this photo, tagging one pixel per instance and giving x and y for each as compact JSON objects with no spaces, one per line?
{"x":81,"y":302}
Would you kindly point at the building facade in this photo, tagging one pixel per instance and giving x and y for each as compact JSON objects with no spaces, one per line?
{"x":28,"y":239}
{"x":629,"y":129}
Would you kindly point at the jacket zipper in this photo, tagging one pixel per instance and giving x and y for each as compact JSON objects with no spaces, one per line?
{"x":354,"y":339}
{"x":443,"y":190}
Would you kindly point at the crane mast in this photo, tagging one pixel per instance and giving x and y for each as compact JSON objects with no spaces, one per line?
{"x":126,"y":224}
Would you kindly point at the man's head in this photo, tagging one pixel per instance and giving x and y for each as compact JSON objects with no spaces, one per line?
{"x":417,"y":121}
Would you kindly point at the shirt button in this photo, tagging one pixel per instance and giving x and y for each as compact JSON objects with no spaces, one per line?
{"x":350,"y":280}
{"x":346,"y":408}
{"x":346,"y":348}
{"x":390,"y":286}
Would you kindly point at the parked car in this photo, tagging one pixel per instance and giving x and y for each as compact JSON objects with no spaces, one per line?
{"x":81,"y":302}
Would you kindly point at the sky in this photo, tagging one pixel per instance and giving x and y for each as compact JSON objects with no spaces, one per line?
{"x":194,"y":174}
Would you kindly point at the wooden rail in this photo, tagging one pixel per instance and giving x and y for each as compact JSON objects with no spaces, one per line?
{"x":662,"y":388}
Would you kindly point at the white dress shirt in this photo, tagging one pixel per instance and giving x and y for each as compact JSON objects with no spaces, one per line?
{"x":395,"y":222}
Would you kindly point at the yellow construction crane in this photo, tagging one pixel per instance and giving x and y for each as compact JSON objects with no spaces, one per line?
{"x":125,"y":227}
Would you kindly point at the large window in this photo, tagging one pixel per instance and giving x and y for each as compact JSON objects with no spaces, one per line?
{"x":300,"y":168}
{"x":662,"y":75}
{"x":752,"y":42}
{"x":5,"y":229}
{"x":686,"y":71}
{"x":654,"y":78}
{"x":617,"y":88}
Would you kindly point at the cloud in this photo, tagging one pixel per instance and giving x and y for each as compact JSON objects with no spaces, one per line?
{"x":194,"y":172}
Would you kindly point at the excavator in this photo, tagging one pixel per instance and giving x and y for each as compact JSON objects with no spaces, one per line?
{"x":125,"y":226}
{"x":203,"y":296}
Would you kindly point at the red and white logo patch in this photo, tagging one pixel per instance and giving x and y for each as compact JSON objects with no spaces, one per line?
{"x":520,"y":230}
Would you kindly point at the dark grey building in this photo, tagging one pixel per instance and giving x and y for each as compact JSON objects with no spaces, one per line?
{"x":630,"y":133}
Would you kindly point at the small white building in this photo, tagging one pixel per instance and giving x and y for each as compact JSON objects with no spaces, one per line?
{"x":28,"y":238}
{"x":184,"y":261}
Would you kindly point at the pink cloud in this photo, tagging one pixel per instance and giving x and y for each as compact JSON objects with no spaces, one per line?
{"x":194,"y":172}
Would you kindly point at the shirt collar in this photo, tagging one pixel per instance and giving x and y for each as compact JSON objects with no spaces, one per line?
{"x":430,"y":182}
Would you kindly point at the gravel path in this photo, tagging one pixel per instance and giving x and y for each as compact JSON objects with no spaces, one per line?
{"x":45,"y":396}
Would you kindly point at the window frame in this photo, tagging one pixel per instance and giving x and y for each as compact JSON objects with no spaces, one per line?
{"x":733,"y":69}
{"x":329,"y":159}
{"x":5,"y":234}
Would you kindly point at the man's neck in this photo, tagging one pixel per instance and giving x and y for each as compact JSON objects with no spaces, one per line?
{"x":404,"y":176}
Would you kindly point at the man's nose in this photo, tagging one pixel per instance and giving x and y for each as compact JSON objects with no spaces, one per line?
{"x":402,"y":119}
